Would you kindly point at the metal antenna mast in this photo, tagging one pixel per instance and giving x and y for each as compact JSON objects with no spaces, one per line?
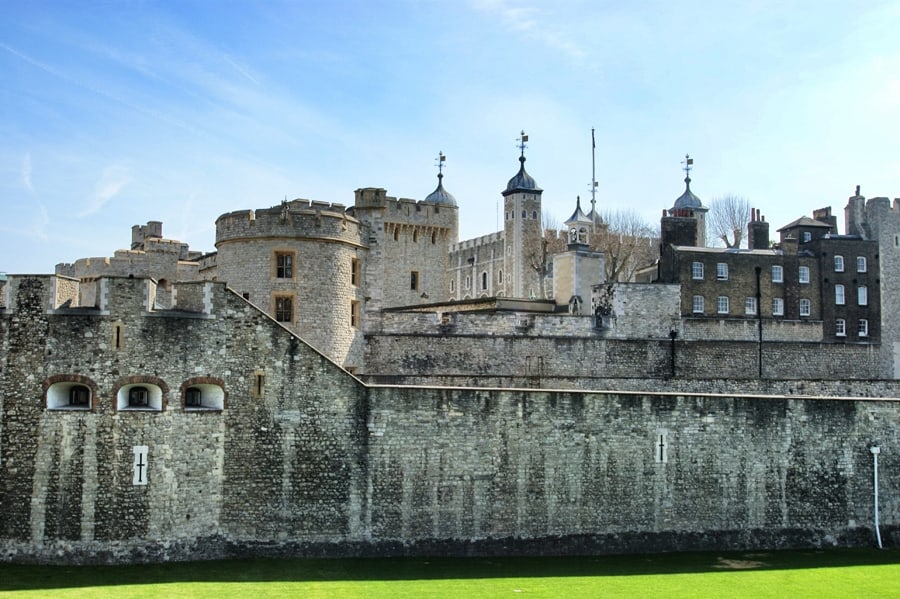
{"x":593,"y":183}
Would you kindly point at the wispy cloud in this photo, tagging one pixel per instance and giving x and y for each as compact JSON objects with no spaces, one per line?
{"x":531,"y":22}
{"x":112,"y":181}
{"x":240,"y":69}
{"x":26,"y":172}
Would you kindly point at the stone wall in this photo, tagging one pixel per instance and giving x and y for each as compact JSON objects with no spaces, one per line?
{"x":303,"y":459}
{"x":521,"y":359}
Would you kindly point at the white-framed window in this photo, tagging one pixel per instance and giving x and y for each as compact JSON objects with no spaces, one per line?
{"x":839,"y":297}
{"x":697,"y":304}
{"x":861,"y":265}
{"x":722,"y":271}
{"x":807,"y":237}
{"x":805,"y":307}
{"x":840,"y":327}
{"x":777,"y":306}
{"x":697,"y":271}
{"x":722,"y":304}
{"x":804,"y":274}
{"x":777,"y":273}
{"x":862,"y":295}
{"x":838,"y":264}
{"x":750,"y":305}
{"x":862,"y":328}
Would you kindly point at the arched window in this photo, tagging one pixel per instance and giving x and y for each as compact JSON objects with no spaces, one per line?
{"x":524,"y":214}
{"x":500,"y":276}
{"x":203,"y":394}
{"x":433,"y":237}
{"x":69,"y":392}
{"x":141,"y":394}
{"x":483,"y":280}
{"x":415,"y":236}
{"x":534,"y":215}
{"x":396,"y":234}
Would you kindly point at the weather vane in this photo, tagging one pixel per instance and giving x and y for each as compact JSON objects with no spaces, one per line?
{"x":688,"y":162}
{"x":522,"y":141}
{"x":440,"y":162}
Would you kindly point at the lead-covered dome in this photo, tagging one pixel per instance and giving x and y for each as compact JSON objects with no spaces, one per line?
{"x":440,"y":195}
{"x":522,"y":181}
{"x":687,"y":200}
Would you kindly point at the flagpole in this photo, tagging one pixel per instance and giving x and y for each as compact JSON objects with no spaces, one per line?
{"x":593,"y":183}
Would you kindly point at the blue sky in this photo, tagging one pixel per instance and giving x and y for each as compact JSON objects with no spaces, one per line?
{"x":116,"y":113}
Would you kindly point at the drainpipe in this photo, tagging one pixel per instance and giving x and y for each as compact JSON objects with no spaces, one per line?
{"x":875,"y":451}
{"x":759,"y":326}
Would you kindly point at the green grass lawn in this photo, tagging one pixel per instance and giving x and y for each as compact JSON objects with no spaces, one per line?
{"x":832,"y":573}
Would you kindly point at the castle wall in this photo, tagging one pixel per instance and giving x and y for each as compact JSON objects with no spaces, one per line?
{"x":473,"y":359}
{"x":408,"y":249}
{"x":880,"y":221}
{"x":476,"y":268}
{"x":308,"y":461}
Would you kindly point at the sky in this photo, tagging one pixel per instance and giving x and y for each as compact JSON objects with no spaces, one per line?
{"x":115,"y":113}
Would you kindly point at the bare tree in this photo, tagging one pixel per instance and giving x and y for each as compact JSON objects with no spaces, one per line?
{"x":727,"y":219}
{"x":628,"y":241}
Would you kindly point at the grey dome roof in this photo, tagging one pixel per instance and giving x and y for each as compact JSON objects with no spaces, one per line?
{"x":522,"y":181}
{"x":687,"y":200}
{"x":440,"y":195}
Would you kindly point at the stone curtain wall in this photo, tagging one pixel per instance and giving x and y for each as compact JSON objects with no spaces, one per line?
{"x":520,"y":359}
{"x":308,"y":461}
{"x":496,"y":470}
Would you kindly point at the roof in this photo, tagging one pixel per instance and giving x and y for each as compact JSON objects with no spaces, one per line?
{"x":578,"y":216}
{"x":805,"y":221}
{"x":687,"y":199}
{"x":440,"y":195}
{"x":522,"y":181}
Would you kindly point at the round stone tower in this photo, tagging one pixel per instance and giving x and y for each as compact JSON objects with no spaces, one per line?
{"x":302,"y":263}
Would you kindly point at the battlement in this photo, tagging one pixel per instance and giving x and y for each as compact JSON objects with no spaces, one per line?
{"x":294,"y":219}
{"x":476,"y":242}
{"x":55,"y":294}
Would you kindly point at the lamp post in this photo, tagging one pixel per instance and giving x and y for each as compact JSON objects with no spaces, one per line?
{"x":875,"y":451}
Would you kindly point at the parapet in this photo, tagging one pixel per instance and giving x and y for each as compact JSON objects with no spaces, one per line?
{"x":295,"y":219}
{"x":53,"y":294}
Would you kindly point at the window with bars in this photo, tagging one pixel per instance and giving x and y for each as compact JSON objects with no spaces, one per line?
{"x":284,"y":308}
{"x":284,"y":265}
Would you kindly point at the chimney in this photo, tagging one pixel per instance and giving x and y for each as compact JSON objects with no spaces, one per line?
{"x":757,"y":231}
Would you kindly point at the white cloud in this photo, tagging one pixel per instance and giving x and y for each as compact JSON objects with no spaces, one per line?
{"x":112,"y":181}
